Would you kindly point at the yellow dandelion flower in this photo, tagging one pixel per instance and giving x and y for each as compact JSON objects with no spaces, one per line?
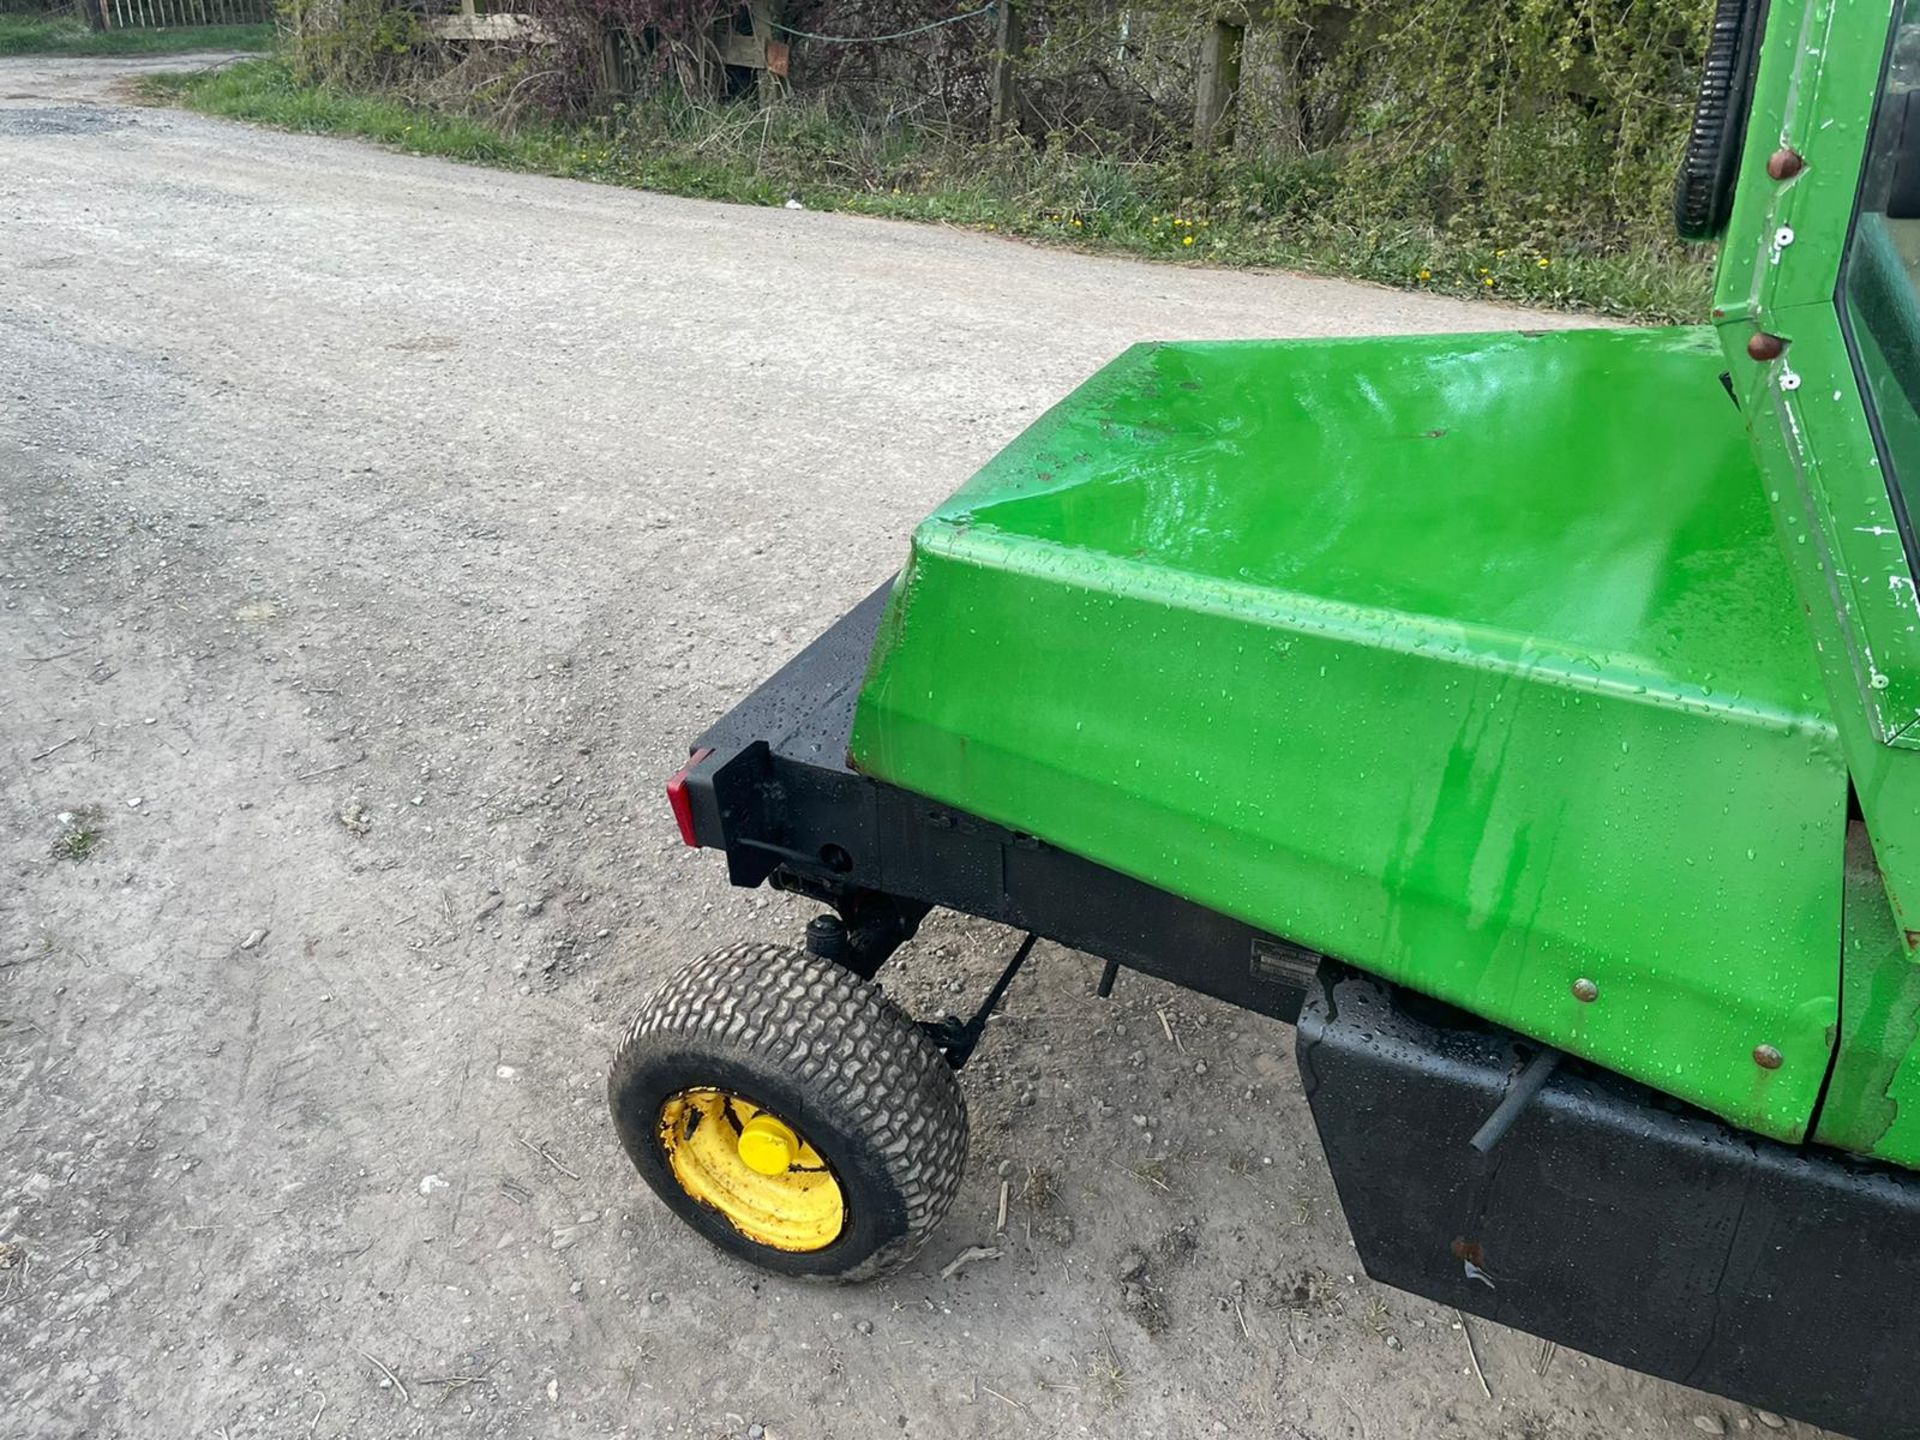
{"x":1426,"y":274}
{"x":1544,"y":262}
{"x":1499,"y":254}
{"x":1187,"y":241}
{"x":1488,"y":282}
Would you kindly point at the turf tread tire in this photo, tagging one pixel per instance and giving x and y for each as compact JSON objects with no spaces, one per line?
{"x":831,"y":1054}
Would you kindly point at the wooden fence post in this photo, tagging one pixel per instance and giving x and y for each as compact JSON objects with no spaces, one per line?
{"x":767,"y":15}
{"x":1219,"y":85}
{"x":1008,"y":36}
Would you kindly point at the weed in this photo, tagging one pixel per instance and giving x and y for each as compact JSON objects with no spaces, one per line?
{"x":1109,"y":1375}
{"x":1041,"y":1190}
{"x":80,"y":835}
{"x":1152,"y":1172}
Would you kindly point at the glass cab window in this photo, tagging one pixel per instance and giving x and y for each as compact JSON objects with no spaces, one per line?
{"x":1880,"y":278}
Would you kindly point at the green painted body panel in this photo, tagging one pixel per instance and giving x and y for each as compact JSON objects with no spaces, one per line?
{"x":1820,"y":72}
{"x":1876,"y":1072}
{"x":1470,"y":660}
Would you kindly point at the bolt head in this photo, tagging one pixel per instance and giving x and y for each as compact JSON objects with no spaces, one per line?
{"x":1585,"y":991}
{"x":1764,"y":347}
{"x":1767,"y":1057}
{"x":1785,"y":163}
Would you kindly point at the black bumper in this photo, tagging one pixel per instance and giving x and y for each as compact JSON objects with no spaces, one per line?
{"x":1614,"y":1220}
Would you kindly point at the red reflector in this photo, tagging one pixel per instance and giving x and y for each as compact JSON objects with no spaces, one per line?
{"x":682,"y":803}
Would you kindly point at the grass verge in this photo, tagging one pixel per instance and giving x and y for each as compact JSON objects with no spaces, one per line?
{"x":63,"y":35}
{"x":1233,"y":212}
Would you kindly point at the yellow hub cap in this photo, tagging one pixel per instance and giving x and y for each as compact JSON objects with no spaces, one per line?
{"x":754,"y":1168}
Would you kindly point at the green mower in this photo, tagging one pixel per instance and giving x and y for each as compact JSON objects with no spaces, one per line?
{"x":1532,"y":720}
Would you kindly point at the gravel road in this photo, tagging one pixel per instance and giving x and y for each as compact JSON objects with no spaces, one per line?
{"x":374,"y":532}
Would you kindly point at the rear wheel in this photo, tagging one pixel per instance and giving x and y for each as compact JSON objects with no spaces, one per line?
{"x":789,"y":1112}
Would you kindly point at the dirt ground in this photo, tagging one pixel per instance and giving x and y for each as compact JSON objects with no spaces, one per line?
{"x":374,"y":533}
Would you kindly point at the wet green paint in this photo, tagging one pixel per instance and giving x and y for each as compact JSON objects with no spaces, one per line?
{"x":1470,"y":660}
{"x":1873,"y":1100}
{"x":1780,"y":270}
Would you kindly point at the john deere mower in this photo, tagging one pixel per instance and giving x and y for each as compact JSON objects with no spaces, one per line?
{"x":1530,"y":720}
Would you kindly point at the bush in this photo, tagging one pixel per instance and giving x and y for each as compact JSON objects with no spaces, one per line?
{"x":1556,"y":123}
{"x":1519,"y":147}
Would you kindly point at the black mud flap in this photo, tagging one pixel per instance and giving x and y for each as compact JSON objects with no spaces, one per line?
{"x":1612,"y":1220}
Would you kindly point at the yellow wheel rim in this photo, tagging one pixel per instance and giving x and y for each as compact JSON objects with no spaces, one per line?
{"x":754,"y":1168}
